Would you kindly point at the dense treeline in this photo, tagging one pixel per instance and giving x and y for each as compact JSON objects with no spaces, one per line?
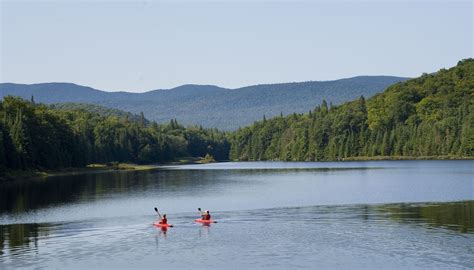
{"x":432,"y":115}
{"x":100,"y":110}
{"x":34,"y":136}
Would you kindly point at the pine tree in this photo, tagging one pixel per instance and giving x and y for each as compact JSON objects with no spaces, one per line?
{"x":3,"y":164}
{"x":142,"y":119}
{"x":324,"y":107}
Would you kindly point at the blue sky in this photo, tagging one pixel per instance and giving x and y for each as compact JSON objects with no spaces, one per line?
{"x":145,"y":45}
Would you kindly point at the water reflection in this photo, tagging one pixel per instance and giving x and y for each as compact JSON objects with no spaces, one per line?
{"x":458,"y":216}
{"x":18,"y":237}
{"x":325,"y":212}
{"x":163,"y":230}
{"x":204,"y":231}
{"x":454,"y":216}
{"x":21,"y":196}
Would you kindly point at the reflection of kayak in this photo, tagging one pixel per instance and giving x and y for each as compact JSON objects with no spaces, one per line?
{"x":157,"y":224}
{"x":205,"y":221}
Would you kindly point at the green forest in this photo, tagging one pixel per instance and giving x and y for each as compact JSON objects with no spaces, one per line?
{"x":100,"y":110}
{"x":430,"y":116}
{"x":35,"y":136}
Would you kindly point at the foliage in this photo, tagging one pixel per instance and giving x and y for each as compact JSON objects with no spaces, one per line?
{"x":432,"y":115}
{"x":100,"y":110}
{"x":34,"y":136}
{"x":208,"y":159}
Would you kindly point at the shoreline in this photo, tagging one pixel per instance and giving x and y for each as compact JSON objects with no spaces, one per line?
{"x":95,"y":168}
{"x":113,"y":167}
{"x":407,"y":158}
{"x":17,"y":175}
{"x":375,"y":158}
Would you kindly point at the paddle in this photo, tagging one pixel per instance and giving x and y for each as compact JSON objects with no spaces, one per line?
{"x":156,"y":210}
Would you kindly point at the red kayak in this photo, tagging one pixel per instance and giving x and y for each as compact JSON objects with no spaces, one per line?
{"x":204,"y":221}
{"x":157,"y":224}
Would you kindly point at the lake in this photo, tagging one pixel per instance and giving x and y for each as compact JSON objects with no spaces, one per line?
{"x":274,"y":215}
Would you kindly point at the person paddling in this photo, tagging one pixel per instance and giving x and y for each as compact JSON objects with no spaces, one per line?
{"x":205,"y":215}
{"x":163,"y":219}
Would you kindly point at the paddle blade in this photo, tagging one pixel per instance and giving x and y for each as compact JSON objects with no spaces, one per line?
{"x":156,"y":209}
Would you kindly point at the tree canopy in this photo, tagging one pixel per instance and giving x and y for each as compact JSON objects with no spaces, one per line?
{"x":35,"y":136}
{"x":432,"y":115}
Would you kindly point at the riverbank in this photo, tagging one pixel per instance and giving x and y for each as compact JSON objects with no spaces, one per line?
{"x":109,"y":167}
{"x":92,"y":168}
{"x":97,"y":168}
{"x":377,"y":158}
{"x":447,"y":157}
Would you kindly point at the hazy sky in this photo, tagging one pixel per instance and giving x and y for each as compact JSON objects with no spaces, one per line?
{"x":144,"y":45}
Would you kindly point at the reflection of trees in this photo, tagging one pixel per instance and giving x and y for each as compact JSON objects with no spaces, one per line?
{"x":457,"y":215}
{"x":20,"y":196}
{"x":2,"y":239}
{"x":21,"y":235}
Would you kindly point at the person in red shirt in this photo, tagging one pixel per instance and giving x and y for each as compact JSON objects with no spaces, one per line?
{"x":163,"y":219}
{"x":205,"y":215}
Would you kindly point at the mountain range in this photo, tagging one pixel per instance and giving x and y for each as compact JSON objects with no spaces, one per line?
{"x":209,"y":105}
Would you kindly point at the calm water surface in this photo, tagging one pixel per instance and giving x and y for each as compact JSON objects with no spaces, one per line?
{"x":278,"y":215}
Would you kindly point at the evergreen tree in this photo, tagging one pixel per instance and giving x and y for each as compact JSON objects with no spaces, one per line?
{"x":142,"y":119}
{"x":426,"y":116}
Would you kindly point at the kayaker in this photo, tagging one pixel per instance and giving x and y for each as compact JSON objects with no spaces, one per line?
{"x":205,"y":215}
{"x":163,"y":219}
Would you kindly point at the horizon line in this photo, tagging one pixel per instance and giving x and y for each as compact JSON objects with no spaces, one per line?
{"x":194,"y":84}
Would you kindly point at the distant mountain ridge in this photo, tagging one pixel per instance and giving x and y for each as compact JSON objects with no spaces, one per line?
{"x":209,"y":105}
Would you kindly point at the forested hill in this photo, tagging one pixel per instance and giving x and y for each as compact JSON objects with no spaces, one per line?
{"x":429,"y":116}
{"x":207,"y":105}
{"x":36,"y":136}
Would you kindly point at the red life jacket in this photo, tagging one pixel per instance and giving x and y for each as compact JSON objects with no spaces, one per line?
{"x":164,"y":221}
